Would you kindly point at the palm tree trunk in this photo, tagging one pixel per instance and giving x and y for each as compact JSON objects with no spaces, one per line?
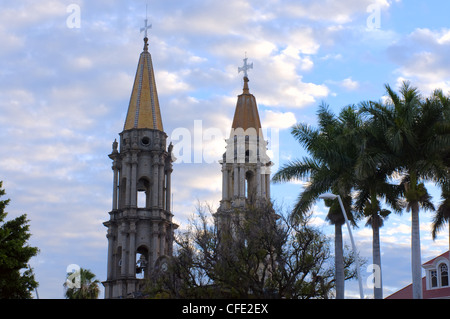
{"x":416,"y":260}
{"x":376,"y":255}
{"x":339,"y":261}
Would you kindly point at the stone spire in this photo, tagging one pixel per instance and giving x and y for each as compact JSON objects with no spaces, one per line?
{"x":144,"y":110}
{"x":246,"y":114}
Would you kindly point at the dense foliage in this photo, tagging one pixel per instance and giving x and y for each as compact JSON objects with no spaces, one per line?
{"x":16,"y":277}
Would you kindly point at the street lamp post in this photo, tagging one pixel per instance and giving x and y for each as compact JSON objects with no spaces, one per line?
{"x":332,"y":196}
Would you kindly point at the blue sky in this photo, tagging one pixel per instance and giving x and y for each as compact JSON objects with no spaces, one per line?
{"x":64,"y":94}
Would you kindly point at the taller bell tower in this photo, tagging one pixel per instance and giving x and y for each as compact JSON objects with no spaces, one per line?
{"x":140,"y":229}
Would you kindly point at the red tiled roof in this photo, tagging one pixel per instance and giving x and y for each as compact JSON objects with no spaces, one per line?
{"x":406,"y":292}
{"x":432,"y":260}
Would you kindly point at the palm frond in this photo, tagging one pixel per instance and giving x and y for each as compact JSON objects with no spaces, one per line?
{"x":297,"y":170}
{"x":442,"y":214}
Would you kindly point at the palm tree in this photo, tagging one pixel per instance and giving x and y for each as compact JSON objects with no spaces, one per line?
{"x":88,"y":286}
{"x":412,"y":135}
{"x":373,"y":168}
{"x":332,"y":148}
{"x":443,"y":212}
{"x":368,"y":204}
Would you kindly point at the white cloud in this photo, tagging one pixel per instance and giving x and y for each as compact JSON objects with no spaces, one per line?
{"x":10,"y":42}
{"x":349,"y":84}
{"x":336,"y":56}
{"x":423,"y":59}
{"x":293,"y":95}
{"x":278,"y":120}
{"x":303,"y":39}
{"x":335,"y":11}
{"x":31,"y":13}
{"x":444,"y":37}
{"x":83,"y":62}
{"x":170,"y":82}
{"x":399,"y":229}
{"x":218,"y":18}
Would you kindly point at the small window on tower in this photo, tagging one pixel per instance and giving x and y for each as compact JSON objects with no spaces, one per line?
{"x":141,"y":199}
{"x":145,"y":140}
{"x":141,"y":262}
{"x":143,"y":191}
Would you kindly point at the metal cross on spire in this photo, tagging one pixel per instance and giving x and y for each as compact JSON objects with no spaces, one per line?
{"x":245,"y":67}
{"x":146,"y":27}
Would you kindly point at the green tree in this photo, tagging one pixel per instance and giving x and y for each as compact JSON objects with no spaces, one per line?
{"x":16,"y":278}
{"x":333,"y":150}
{"x":413,"y":135}
{"x":81,"y":284}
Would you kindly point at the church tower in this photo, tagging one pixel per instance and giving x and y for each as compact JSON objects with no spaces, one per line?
{"x":245,"y":164}
{"x":140,"y":228}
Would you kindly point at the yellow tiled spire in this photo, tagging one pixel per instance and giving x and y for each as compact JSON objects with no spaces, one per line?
{"x":143,"y":110}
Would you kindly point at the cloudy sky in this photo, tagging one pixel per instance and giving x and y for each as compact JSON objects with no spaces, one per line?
{"x":66,"y":73}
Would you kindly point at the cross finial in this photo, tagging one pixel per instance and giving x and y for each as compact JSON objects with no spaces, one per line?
{"x":245,"y":67}
{"x":146,"y":26}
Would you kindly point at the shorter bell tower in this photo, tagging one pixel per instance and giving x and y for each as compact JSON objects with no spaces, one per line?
{"x":245,"y":163}
{"x":140,"y":229}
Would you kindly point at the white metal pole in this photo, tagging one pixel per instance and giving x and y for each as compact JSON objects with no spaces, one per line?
{"x":361,"y":293}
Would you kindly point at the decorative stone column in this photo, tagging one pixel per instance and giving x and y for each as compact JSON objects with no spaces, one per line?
{"x":155,"y":173}
{"x":168,"y":189}
{"x":133,"y":195}
{"x":132,"y":249}
{"x":110,"y":236}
